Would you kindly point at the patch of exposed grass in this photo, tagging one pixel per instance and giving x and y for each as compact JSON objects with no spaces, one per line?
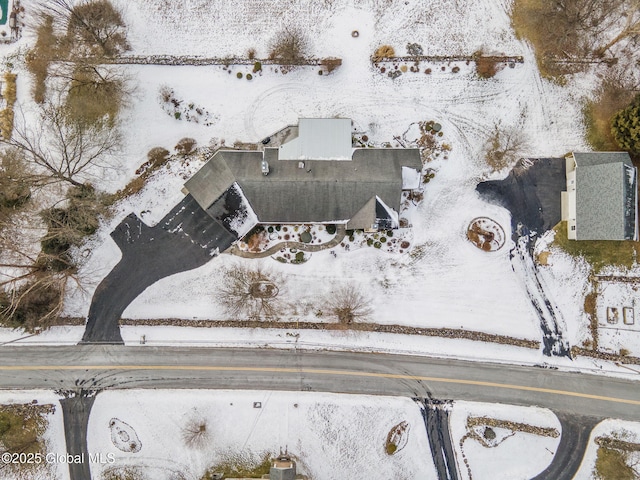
{"x":21,"y":430}
{"x":590,"y":309}
{"x":598,"y":113}
{"x":240,"y":468}
{"x":598,"y":253}
{"x":612,"y":465}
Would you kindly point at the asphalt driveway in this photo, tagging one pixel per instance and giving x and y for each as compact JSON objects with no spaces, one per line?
{"x":531,"y":193}
{"x":186,"y":238}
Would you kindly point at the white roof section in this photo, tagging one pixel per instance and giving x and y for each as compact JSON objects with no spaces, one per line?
{"x":319,"y":139}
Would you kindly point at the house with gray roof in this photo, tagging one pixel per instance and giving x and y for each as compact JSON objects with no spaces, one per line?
{"x":316,"y":177}
{"x":601,"y":198}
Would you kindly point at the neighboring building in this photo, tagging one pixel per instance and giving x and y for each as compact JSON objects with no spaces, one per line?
{"x":601,"y":198}
{"x":316,"y":177}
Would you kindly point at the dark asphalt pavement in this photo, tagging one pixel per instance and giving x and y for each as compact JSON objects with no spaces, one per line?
{"x":436,"y":421}
{"x":576,"y":430}
{"x":185,"y":239}
{"x":75,"y":411}
{"x":531,"y":193}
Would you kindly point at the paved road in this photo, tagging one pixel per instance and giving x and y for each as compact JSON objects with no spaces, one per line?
{"x":185,"y":239}
{"x":97,"y":367}
{"x":436,"y":421}
{"x":576,"y":430}
{"x":76,"y":418}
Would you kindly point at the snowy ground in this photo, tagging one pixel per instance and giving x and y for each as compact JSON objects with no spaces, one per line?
{"x":495,"y":459}
{"x":331,"y":436}
{"x":452,"y":283}
{"x":618,"y":312}
{"x":445,"y":281}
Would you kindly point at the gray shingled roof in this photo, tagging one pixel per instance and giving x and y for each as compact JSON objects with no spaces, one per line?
{"x":605,"y":196}
{"x":322,"y":191}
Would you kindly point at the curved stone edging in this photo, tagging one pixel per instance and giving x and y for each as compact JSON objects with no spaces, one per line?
{"x":305,"y":247}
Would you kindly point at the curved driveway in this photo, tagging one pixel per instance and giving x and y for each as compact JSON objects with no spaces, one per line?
{"x":186,"y":238}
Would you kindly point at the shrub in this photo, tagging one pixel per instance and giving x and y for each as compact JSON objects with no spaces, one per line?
{"x":485,"y":66}
{"x":377,"y":245}
{"x":300,"y":257}
{"x":6,"y":123}
{"x":625,"y":127}
{"x":177,"y":115}
{"x":251,"y":54}
{"x":186,"y":146}
{"x":270,"y":229}
{"x":257,"y":67}
{"x":290,"y":46}
{"x":239,"y":75}
{"x":9,"y":91}
{"x":369,"y":241}
{"x":15,"y":190}
{"x":489,"y":433}
{"x":38,"y":301}
{"x":249,"y":76}
{"x":403,"y":69}
{"x":331,"y":63}
{"x":157,"y":155}
{"x":455,"y":69}
{"x":383,"y":240}
{"x":348,"y":303}
{"x":384,"y":51}
{"x":414,"y":49}
{"x":331,"y":229}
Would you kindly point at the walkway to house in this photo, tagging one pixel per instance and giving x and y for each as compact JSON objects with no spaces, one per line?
{"x":341,"y":232}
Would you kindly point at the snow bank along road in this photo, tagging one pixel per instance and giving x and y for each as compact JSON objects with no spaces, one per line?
{"x":99,"y":367}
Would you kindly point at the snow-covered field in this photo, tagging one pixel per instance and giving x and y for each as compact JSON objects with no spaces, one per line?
{"x":450,"y":283}
{"x":444,"y":281}
{"x":494,"y":458}
{"x":331,"y":436}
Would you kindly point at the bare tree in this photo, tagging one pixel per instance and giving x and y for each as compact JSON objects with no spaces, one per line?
{"x":95,"y":93}
{"x":250,"y":292}
{"x":65,"y":149}
{"x":289,"y":47}
{"x":195,"y":432}
{"x":348,"y":304}
{"x":503,"y":147}
{"x":94,"y":27}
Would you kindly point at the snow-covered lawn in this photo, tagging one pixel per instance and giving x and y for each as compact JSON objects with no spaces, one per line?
{"x":331,"y":436}
{"x":444,"y":281}
{"x":499,"y":453}
{"x":618,"y":317}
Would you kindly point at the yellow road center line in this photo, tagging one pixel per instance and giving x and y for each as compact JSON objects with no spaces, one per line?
{"x":317,"y":371}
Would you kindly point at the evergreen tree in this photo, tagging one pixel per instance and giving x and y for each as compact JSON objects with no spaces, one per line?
{"x":625,"y":127}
